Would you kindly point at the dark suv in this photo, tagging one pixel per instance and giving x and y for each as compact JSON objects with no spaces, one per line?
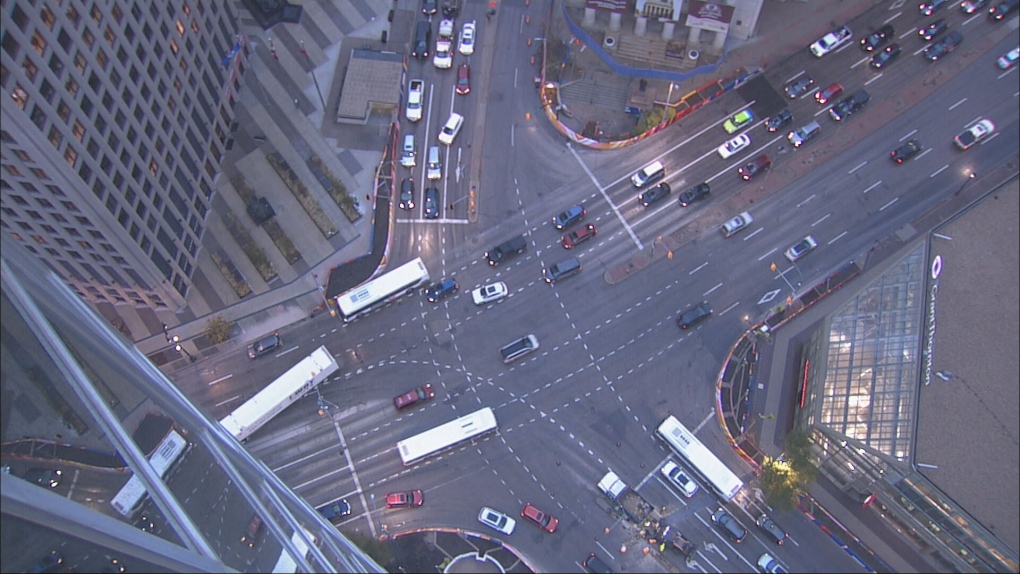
{"x":569,"y":217}
{"x":264,"y":346}
{"x":696,"y":193}
{"x":694,"y":315}
{"x":729,"y":525}
{"x":441,"y":290}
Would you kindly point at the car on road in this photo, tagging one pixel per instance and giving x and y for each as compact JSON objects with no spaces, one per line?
{"x":849,"y":105}
{"x":51,"y":562}
{"x":737,"y":223}
{"x":467,"y":39}
{"x":415,"y":99}
{"x":779,"y":120}
{"x":578,"y":236}
{"x":429,"y":7}
{"x":562,"y":270}
{"x":801,"y":248}
{"x":264,"y":346}
{"x":888,"y":54}
{"x":909,"y":149}
{"x":971,"y":6}
{"x":769,"y":527}
{"x":1008,"y":60}
{"x":738,"y":121}
{"x":451,"y":128}
{"x":930,"y":6}
{"x":407,"y":193}
{"x":694,"y":194}
{"x":569,"y":217}
{"x":804,"y":134}
{"x":874,"y":40}
{"x":431,"y":203}
{"x":335,"y":510}
{"x":44,"y":477}
{"x":416,"y":395}
{"x":409,"y":152}
{"x":974,"y":134}
{"x":831,"y":41}
{"x":830,"y":93}
{"x":464,"y":79}
{"x":594,"y":565}
{"x":497,"y":520}
{"x":734,"y":146}
{"x":944,"y":46}
{"x":405,"y":499}
{"x":489,"y":293}
{"x":1000,"y":10}
{"x":540,"y":519}
{"x":799,"y":87}
{"x":729,"y":525}
{"x":679,"y":479}
{"x":770,"y":565}
{"x":442,"y":59}
{"x":513,"y":351}
{"x":441,"y":290}
{"x":934,"y":29}
{"x":694,"y":315}
{"x":757,"y":165}
{"x":654,"y":194}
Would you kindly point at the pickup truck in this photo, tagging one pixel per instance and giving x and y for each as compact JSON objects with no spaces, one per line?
{"x":636,"y":507}
{"x":415,"y":97}
{"x":505,"y":250}
{"x":831,"y":41}
{"x":974,"y":134}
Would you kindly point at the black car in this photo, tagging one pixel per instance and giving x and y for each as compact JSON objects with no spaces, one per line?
{"x":266,"y":345}
{"x":694,"y":315}
{"x":595,"y":565}
{"x":779,"y":120}
{"x":890,"y":53}
{"x":44,"y":477}
{"x":874,"y":41}
{"x":654,"y":194}
{"x":768,"y":526}
{"x":431,"y":203}
{"x":943,"y":46}
{"x":930,"y":6}
{"x":729,"y":525}
{"x":48,"y":563}
{"x":999,"y":11}
{"x":407,"y":193}
{"x":696,"y":193}
{"x":931,"y":30}
{"x":909,"y":149}
{"x":799,"y":87}
{"x":569,"y":217}
{"x":441,"y":290}
{"x":429,"y":6}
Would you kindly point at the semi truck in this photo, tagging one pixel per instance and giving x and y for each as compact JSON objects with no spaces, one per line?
{"x":637,"y":508}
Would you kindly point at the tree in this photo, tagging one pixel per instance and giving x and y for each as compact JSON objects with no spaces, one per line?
{"x":217,"y":329}
{"x":784,"y":478}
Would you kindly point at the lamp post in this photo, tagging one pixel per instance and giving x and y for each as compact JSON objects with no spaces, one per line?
{"x":181,"y":349}
{"x":314,"y":79}
{"x":970,"y":178}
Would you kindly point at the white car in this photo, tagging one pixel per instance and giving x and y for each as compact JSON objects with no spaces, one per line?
{"x":443,"y":59}
{"x":801,"y":248}
{"x":1008,"y":60}
{"x":489,"y":293}
{"x":831,"y":41}
{"x":467,"y":39}
{"x":497,"y":520}
{"x":679,"y":479}
{"x":736,"y":224}
{"x":770,"y":565}
{"x":451,"y":128}
{"x":415,"y":97}
{"x":733,"y":146}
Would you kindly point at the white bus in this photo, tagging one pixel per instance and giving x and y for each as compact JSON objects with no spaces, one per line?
{"x":286,"y":562}
{"x":383,"y":289}
{"x":712,"y":472}
{"x":446,"y":435}
{"x":166,"y":454}
{"x":280,"y":394}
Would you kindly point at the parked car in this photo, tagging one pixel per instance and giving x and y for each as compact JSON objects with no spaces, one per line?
{"x":734,"y":146}
{"x":464,"y":79}
{"x":497,"y":520}
{"x":740,"y":120}
{"x":754,"y":167}
{"x":799,"y":87}
{"x":874,"y":40}
{"x":779,"y":120}
{"x":264,"y":346}
{"x":405,"y":499}
{"x":407,"y":193}
{"x":654,"y":194}
{"x":579,"y":235}
{"x":694,"y":315}
{"x":801,"y":248}
{"x":694,"y":194}
{"x":441,"y":290}
{"x":540,"y":519}
{"x":569,"y":217}
{"x":729,"y":525}
{"x":830,"y":93}
{"x":769,"y":527}
{"x":679,"y":479}
{"x":414,"y":396}
{"x":931,"y":30}
{"x":489,"y":293}
{"x":909,"y":149}
{"x":888,"y":54}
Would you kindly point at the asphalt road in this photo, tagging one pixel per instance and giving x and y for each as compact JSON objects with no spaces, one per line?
{"x":612,"y":362}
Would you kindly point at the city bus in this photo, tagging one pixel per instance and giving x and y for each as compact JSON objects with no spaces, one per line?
{"x":383,"y":289}
{"x":705,"y":465}
{"x":446,"y":435}
{"x":170,"y":449}
{"x":280,"y":394}
{"x":286,"y":562}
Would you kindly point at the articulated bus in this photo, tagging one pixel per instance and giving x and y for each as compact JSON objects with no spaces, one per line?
{"x":383,"y":289}
{"x":166,"y":454}
{"x":446,"y":435}
{"x":280,"y":394}
{"x":712,"y":472}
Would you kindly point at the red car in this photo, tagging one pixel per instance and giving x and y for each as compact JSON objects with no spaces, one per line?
{"x":754,"y":167}
{"x":406,"y":499}
{"x":414,"y":396}
{"x":579,"y":235}
{"x":464,"y":79}
{"x":828,"y":94}
{"x":539,"y":518}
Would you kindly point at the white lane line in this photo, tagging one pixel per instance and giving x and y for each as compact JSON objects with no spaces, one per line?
{"x":605,"y":196}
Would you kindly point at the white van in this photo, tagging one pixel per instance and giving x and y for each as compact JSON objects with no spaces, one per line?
{"x":435,"y":169}
{"x":408,"y":154}
{"x":649,"y":174}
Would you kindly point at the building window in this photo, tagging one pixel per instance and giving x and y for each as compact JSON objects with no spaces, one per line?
{"x":39,"y":43}
{"x":102,"y":59}
{"x":78,"y":131}
{"x":70,"y":156}
{"x":56,"y":65}
{"x":46,"y":91}
{"x":19,"y":96}
{"x":117,"y":14}
{"x":47,"y":17}
{"x":86,"y":106}
{"x":23,"y":156}
{"x":30,"y":69}
{"x":115,"y":78}
{"x":54,"y":137}
{"x":85,"y":173}
{"x":88,"y":38}
{"x":19,"y":17}
{"x":10,"y":46}
{"x":63,"y":112}
{"x":73,"y":15}
{"x":122,"y":56}
{"x":38,"y":117}
{"x":174,"y":48}
{"x":109,"y":36}
{"x":71,"y":87}
{"x":79,"y":62}
{"x":64,"y":39}
{"x":153,"y":167}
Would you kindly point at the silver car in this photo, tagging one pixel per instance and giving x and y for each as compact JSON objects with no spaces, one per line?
{"x":497,"y":520}
{"x":801,"y":248}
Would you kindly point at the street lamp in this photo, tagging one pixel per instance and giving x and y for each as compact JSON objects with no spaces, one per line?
{"x":181,"y":349}
{"x":970,"y":178}
{"x":314,"y":79}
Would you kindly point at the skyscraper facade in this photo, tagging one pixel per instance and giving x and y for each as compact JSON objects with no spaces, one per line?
{"x":117,"y":118}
